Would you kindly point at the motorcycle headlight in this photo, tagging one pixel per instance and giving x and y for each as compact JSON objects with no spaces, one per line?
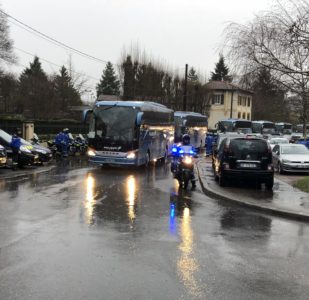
{"x":187,"y":160}
{"x":91,"y":152}
{"x":131,"y":155}
{"x":24,"y":148}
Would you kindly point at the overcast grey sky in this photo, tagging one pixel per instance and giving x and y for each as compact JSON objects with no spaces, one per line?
{"x":176,"y":31}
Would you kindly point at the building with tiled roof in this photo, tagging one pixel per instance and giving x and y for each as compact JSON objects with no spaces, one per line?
{"x":227,"y":100}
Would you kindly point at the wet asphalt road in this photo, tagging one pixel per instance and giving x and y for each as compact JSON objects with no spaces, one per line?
{"x":82,"y":233}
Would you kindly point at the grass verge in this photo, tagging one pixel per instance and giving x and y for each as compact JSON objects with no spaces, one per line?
{"x":302,"y":184}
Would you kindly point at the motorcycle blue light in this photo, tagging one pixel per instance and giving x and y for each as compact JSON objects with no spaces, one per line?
{"x":181,"y":151}
{"x":191,"y":152}
{"x":174,"y":150}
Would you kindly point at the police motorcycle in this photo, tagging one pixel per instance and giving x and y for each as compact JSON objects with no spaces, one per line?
{"x":81,"y":144}
{"x":73,"y":146}
{"x":52,"y":147}
{"x":182,"y":164}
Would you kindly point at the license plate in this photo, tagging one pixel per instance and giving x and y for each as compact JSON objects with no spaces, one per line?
{"x":302,"y":166}
{"x":247,"y":165}
{"x":109,"y":160}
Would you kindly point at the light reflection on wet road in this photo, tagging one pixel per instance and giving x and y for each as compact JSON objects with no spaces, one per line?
{"x":81,"y":233}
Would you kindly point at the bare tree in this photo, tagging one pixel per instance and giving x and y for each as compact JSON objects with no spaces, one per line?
{"x":6,"y":44}
{"x":279,"y":41}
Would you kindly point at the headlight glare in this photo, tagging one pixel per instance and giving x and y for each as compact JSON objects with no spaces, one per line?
{"x":187,"y":160}
{"x":91,"y":152}
{"x":131,"y":155}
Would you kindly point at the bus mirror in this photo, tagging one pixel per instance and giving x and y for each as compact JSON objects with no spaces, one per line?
{"x":87,"y":114}
{"x":139,"y":118}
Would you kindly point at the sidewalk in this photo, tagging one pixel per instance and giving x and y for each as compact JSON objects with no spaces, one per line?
{"x":284,"y":200}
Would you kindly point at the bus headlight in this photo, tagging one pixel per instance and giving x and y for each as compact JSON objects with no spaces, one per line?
{"x":131,"y":155}
{"x":91,"y":152}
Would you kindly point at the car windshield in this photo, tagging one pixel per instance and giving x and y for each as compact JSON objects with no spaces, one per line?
{"x":5,"y":136}
{"x":278,"y":141}
{"x":294,"y":149}
{"x":115,"y":123}
{"x":252,"y":149}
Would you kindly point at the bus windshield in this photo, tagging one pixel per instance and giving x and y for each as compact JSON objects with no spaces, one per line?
{"x":268,"y":128}
{"x":241,"y":126}
{"x":115,"y":123}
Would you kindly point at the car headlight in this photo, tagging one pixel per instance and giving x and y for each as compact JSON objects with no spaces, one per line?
{"x":24,"y":148}
{"x":187,"y":160}
{"x":91,"y":152}
{"x":131,"y":155}
{"x":286,"y":161}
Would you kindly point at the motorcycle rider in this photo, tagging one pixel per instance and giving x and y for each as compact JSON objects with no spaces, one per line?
{"x":187,"y":149}
{"x":62,"y":141}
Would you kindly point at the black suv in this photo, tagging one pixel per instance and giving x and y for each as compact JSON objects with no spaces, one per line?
{"x":244,"y":157}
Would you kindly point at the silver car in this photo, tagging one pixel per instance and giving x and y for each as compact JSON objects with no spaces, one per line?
{"x":277,"y":140}
{"x":291,"y":158}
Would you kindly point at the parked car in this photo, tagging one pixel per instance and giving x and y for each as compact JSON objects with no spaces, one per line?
{"x":3,"y":157}
{"x":26,"y":156}
{"x":277,"y":140}
{"x":303,"y":141}
{"x":291,"y":158}
{"x":244,"y":158}
{"x":220,"y":138}
{"x":295,"y":136}
{"x":45,"y":155}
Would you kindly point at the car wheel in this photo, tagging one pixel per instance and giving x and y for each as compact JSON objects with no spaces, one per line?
{"x":222,"y":180}
{"x":280,"y":171}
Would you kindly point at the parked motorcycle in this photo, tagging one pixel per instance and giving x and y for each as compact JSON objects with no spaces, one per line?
{"x":81,"y":144}
{"x":52,"y":147}
{"x":182,"y":166}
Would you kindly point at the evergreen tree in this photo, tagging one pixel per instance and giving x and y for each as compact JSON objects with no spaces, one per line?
{"x":8,"y":89}
{"x":65,"y":93}
{"x":221,"y":71}
{"x":192,"y":76}
{"x":109,"y":84}
{"x":35,"y":91}
{"x":268,"y":101}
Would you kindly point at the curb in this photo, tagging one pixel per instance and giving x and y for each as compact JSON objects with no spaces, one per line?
{"x":27,"y":174}
{"x":259,"y":207}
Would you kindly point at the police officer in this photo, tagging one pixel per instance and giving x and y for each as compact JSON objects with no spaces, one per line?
{"x":15,"y":145}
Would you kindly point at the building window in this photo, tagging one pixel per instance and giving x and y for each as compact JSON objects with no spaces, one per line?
{"x":239,"y":100}
{"x":244,"y":116}
{"x":248,"y":116}
{"x":239,"y":115}
{"x":218,"y":99}
{"x":249,"y":101}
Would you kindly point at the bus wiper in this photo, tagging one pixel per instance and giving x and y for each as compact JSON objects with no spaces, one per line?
{"x":109,"y":107}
